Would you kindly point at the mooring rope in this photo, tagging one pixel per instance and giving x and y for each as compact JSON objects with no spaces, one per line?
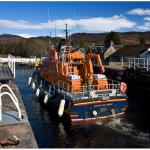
{"x":9,"y":141}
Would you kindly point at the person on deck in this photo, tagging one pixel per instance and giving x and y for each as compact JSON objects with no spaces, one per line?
{"x":36,"y":64}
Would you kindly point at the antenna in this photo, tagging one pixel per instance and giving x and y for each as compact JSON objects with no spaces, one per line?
{"x":75,"y":22}
{"x":50,"y":33}
{"x":69,"y":38}
{"x":56,"y":31}
{"x":49,"y":27}
{"x":66,"y":32}
{"x":55,"y":28}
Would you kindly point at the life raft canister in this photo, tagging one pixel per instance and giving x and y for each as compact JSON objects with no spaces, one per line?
{"x":123,"y":87}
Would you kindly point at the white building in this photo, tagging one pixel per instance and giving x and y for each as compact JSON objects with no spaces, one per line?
{"x":145,"y":53}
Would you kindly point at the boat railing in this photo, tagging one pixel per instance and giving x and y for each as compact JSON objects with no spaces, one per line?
{"x":113,"y":85}
{"x":65,"y":86}
{"x":62,"y":55}
{"x":97,"y":88}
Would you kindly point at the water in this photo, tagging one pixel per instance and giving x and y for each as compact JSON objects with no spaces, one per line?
{"x":50,"y":133}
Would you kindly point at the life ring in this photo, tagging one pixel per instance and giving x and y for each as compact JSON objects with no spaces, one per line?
{"x":123,"y":87}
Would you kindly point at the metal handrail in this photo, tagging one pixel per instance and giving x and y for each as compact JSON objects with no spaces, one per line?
{"x":136,"y":63}
{"x":10,"y":90}
{"x":12,"y":97}
{"x":68,"y":87}
{"x":12,"y":64}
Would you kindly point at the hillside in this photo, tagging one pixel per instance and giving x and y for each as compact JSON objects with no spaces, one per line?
{"x":9,"y":36}
{"x":127,"y":38}
{"x":19,"y":46}
{"x":25,"y":47}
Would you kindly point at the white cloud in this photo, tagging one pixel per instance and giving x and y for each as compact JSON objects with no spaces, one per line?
{"x":145,"y":26}
{"x":99,"y":24}
{"x":147,"y":18}
{"x":139,"y":11}
{"x":21,"y":24}
{"x":26,"y":35}
{"x":105,"y":24}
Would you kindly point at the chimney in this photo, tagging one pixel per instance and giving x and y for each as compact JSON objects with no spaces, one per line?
{"x":111,"y":43}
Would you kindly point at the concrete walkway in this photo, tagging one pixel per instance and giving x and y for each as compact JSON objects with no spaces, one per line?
{"x":12,"y":126}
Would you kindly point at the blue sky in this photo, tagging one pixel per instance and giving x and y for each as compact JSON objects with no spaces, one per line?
{"x":32,"y":19}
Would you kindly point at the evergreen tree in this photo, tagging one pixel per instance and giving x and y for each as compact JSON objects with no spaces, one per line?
{"x":142,"y":41}
{"x":112,"y":36}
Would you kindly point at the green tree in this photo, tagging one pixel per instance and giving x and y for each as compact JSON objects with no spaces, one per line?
{"x":112,"y":36}
{"x":142,"y":41}
{"x":82,"y":44}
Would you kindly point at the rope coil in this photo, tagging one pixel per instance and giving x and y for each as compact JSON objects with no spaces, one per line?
{"x":10,"y":141}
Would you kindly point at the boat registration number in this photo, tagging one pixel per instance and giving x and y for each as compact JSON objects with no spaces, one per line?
{"x":109,"y":104}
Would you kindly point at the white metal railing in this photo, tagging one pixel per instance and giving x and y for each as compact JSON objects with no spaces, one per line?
{"x":11,"y":60}
{"x":11,"y":64}
{"x":136,"y":63}
{"x":63,"y":57}
{"x":19,"y":60}
{"x":12,"y":97}
{"x":81,"y":89}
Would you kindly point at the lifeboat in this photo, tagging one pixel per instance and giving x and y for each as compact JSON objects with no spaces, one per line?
{"x":74,"y":84}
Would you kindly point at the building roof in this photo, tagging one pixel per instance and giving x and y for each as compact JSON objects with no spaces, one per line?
{"x":104,"y":48}
{"x":131,"y":50}
{"x":145,"y":50}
